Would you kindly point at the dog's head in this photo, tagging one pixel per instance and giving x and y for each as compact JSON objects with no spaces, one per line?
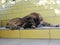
{"x":29,"y":23}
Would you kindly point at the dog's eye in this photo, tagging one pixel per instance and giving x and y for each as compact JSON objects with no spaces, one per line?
{"x":29,"y":22}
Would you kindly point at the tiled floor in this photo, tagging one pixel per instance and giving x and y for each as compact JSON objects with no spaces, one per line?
{"x":28,"y":42}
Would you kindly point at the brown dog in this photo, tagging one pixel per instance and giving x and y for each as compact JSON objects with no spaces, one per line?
{"x":38,"y":20}
{"x":15,"y":23}
{"x":36,"y":17}
{"x":32,"y":20}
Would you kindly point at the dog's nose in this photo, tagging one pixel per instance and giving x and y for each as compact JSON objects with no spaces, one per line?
{"x":33,"y":26}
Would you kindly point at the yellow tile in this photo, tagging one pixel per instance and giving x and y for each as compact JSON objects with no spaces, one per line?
{"x":9,"y":34}
{"x":24,"y":34}
{"x":57,"y":20}
{"x":34,"y":34}
{"x":4,"y":22}
{"x":55,"y":33}
{"x":50,"y":20}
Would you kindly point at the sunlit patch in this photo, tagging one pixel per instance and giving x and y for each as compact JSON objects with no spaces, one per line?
{"x":41,"y":2}
{"x":51,"y":7}
{"x":3,"y":1}
{"x":26,"y":0}
{"x":52,"y":2}
{"x":58,"y":1}
{"x":3,"y":6}
{"x":57,"y":11}
{"x":46,"y":7}
{"x":12,"y":2}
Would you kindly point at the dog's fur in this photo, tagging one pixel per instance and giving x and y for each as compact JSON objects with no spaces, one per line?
{"x":29,"y":23}
{"x":36,"y":17}
{"x":15,"y":23}
{"x":32,"y":20}
{"x":38,"y":20}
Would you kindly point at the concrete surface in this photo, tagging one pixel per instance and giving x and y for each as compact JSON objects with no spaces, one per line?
{"x":28,"y":42}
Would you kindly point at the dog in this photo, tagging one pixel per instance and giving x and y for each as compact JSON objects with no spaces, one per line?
{"x":15,"y":23}
{"x":29,"y":23}
{"x":38,"y":20}
{"x":32,"y":20}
